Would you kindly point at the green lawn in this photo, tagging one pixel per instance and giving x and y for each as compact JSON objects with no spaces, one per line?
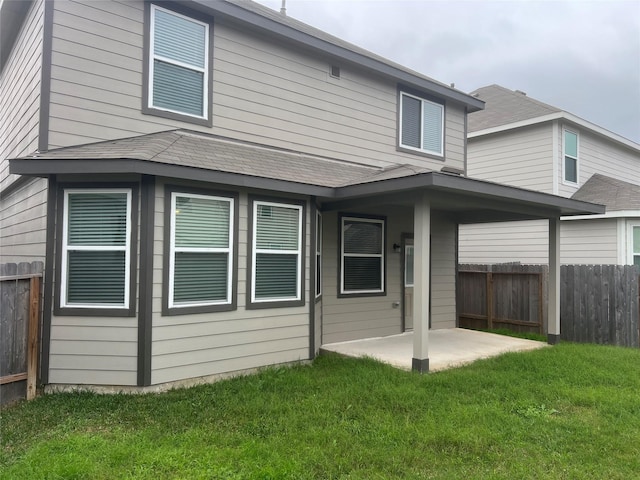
{"x":572,"y":411}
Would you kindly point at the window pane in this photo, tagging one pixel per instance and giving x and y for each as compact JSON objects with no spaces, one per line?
{"x":432,"y":127}
{"x":202,"y":222}
{"x":96,"y":277}
{"x":200,"y":277}
{"x":318,"y":274}
{"x":570,"y":169}
{"x":362,"y":273}
{"x":636,"y":240}
{"x":408,"y":265}
{"x":362,"y":237}
{"x":97,"y":219}
{"x":179,"y":39}
{"x":276,"y":276}
{"x":410,"y":121}
{"x":178,"y":88}
{"x":277,"y":227}
{"x":570,"y":144}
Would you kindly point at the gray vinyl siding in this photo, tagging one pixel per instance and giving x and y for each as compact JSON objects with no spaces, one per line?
{"x":522,"y":157}
{"x":360,"y":317}
{"x":20,"y":93}
{"x":581,"y":242}
{"x":598,"y":155}
{"x":23,"y":223}
{"x":22,"y":212}
{"x":263,"y":91}
{"x":195,"y":345}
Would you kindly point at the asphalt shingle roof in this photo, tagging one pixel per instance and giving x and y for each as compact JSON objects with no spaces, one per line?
{"x":615,"y":194}
{"x":504,"y":106}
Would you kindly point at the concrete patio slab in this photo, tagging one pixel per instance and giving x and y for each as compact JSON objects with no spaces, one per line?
{"x":448,"y":348}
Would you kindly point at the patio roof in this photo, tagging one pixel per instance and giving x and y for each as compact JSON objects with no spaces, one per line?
{"x":184,"y":154}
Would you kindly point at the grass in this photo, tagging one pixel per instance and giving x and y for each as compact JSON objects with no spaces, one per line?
{"x":510,"y":333}
{"x":568,"y":412}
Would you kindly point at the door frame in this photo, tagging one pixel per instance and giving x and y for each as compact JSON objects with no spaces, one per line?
{"x":403,"y":242}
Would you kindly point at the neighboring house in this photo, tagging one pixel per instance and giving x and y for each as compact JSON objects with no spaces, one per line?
{"x":517,"y":140}
{"x":216,"y":187}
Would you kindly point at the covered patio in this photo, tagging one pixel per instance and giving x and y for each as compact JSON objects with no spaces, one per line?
{"x":448,"y":348}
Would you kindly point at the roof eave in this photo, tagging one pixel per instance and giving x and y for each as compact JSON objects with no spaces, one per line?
{"x":238,"y":14}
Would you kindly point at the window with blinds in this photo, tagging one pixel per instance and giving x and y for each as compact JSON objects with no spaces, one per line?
{"x":277,"y":252}
{"x":178,"y":63}
{"x":201,"y":250}
{"x":421,"y":124}
{"x":96,"y":249}
{"x":570,"y":157}
{"x":362,"y":255}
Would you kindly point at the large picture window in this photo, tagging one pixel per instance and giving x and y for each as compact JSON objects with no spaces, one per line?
{"x":276,"y":273}
{"x":362,"y":259}
{"x":421,"y":124}
{"x":178,"y":64}
{"x":570,"y":157}
{"x":201,"y":250}
{"x":96,"y":249}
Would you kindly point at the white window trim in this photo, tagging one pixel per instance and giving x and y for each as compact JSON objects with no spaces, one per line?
{"x":630,"y":253}
{"x":367,"y":255}
{"x":255,"y":251}
{"x":439,"y":153}
{"x":173,"y":250}
{"x":407,"y":284}
{"x":576,"y":158}
{"x":94,"y":248}
{"x":318,"y":255}
{"x":205,"y":70}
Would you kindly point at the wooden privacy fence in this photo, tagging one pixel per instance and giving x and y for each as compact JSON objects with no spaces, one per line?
{"x":503,"y":296}
{"x":20,"y":315}
{"x":598,"y":303}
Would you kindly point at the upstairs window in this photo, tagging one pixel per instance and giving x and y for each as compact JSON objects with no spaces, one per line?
{"x":96,"y":249}
{"x":421,"y":124}
{"x":178,"y":68}
{"x":362,"y":255}
{"x":570,"y":157}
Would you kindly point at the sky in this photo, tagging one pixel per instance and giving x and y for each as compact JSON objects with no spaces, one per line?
{"x":580,"y":56}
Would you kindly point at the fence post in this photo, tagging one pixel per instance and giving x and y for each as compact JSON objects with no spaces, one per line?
{"x":489,"y":300}
{"x":32,"y":342}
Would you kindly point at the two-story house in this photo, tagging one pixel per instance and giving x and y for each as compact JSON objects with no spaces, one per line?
{"x":517,"y":140}
{"x":215,"y":187}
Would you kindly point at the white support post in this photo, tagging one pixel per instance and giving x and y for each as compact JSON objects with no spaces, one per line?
{"x":553,"y":333}
{"x":422,"y":260}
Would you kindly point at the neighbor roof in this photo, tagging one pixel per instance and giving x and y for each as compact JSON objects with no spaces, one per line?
{"x":615,"y":194}
{"x":251,"y":14}
{"x":504,"y":106}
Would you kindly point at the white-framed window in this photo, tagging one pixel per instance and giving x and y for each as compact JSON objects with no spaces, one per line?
{"x":96,"y":249}
{"x":276,"y":263}
{"x":362,"y":255}
{"x":635,"y":244}
{"x":201,"y":250}
{"x":178,"y":64}
{"x":408,"y":265}
{"x":570,"y":164}
{"x":318,"y":254}
{"x":421,"y":124}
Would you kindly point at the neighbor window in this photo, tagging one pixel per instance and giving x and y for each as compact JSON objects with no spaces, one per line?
{"x":421,"y":124}
{"x":318,"y":254}
{"x":635,"y":246}
{"x":276,"y":273}
{"x":570,"y":157}
{"x":201,"y":250}
{"x":362,"y":255}
{"x":96,"y":253}
{"x":178,"y":64}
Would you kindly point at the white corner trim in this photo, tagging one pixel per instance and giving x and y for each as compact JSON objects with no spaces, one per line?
{"x":555,"y":158}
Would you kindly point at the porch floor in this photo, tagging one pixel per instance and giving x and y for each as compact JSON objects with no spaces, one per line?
{"x":448,"y":348}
